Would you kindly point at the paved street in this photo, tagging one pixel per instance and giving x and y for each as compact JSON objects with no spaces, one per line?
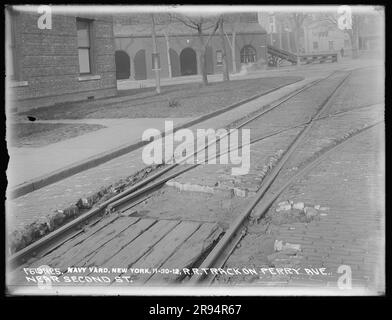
{"x":348,"y":184}
{"x":332,"y":218}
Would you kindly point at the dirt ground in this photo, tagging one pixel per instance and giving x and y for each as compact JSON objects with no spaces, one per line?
{"x":185,"y":100}
{"x":41,"y":134}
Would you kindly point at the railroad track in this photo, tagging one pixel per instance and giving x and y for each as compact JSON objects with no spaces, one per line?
{"x":219,"y":249}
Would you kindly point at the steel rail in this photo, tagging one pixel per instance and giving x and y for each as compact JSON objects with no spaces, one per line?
{"x":265,"y":205}
{"x":63,"y":233}
{"x":238,"y":222}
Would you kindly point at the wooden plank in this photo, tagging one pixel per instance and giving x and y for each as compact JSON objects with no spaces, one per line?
{"x":141,"y":245}
{"x":163,"y":249}
{"x":73,"y":242}
{"x":112,"y":247}
{"x":189,"y":252}
{"x":76,"y":254}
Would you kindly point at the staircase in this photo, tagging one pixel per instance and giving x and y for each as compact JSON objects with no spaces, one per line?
{"x":276,"y":55}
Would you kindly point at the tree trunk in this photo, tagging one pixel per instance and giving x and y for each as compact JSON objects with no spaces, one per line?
{"x":280,"y":37}
{"x":233,"y":53}
{"x":224,"y":53}
{"x":202,"y":60}
{"x":155,"y":52}
{"x":354,"y":37}
{"x":296,"y":34}
{"x":289,"y":48}
{"x":168,"y":55}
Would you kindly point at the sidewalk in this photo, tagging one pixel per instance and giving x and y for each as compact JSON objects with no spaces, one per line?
{"x":32,"y":163}
{"x":128,"y":84}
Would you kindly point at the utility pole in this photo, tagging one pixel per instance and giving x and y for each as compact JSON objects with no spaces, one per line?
{"x":155,"y":58}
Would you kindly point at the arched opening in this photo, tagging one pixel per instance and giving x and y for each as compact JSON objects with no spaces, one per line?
{"x":248,"y":54}
{"x":175,"y":63}
{"x":140,"y":65}
{"x":123,"y":63}
{"x":209,"y":59}
{"x":188,"y":62}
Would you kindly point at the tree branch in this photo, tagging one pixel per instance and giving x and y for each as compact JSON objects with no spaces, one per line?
{"x":186,"y":23}
{"x":213,"y":32}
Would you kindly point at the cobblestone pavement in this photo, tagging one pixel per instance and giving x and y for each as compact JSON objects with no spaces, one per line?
{"x":349,"y":233}
{"x":348,"y":191}
{"x":342,"y":231}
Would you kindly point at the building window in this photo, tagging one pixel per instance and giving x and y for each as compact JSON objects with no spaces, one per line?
{"x":11,"y":53}
{"x":219,"y":58}
{"x":330,"y":45}
{"x":84,"y":45}
{"x":249,"y":18}
{"x":248,"y":54}
{"x":315,"y":45}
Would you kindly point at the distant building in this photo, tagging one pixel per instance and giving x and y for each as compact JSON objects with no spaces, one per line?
{"x":179,"y":46}
{"x":73,"y":60}
{"x":324,"y":37}
{"x":371,"y":34}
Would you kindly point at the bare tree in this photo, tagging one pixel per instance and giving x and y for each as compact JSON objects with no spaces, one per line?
{"x":201,"y":25}
{"x":155,"y":55}
{"x":297,"y":20}
{"x":232,"y":23}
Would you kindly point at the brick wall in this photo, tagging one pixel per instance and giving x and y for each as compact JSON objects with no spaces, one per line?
{"x":47,"y":62}
{"x":132,"y":44}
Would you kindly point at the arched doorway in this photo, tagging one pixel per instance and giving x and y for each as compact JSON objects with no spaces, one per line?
{"x":175,"y":63}
{"x":188,"y":62}
{"x":209,"y":60}
{"x":248,"y":54}
{"x":122,"y":65}
{"x":140,"y":65}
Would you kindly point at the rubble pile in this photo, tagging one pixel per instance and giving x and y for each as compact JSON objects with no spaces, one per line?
{"x":289,"y":211}
{"x":242,"y":187}
{"x":227,"y":184}
{"x":285,"y":254}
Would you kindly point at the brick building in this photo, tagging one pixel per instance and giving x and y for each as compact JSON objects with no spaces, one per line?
{"x":70,"y":59}
{"x":325,"y":37}
{"x":179,"y":46}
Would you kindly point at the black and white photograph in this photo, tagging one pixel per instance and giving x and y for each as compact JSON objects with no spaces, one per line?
{"x":208,"y":150}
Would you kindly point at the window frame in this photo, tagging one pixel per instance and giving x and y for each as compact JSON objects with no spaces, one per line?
{"x":329,"y":45}
{"x":11,"y":45}
{"x":243,"y":55}
{"x":219,"y":63}
{"x":90,"y":47}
